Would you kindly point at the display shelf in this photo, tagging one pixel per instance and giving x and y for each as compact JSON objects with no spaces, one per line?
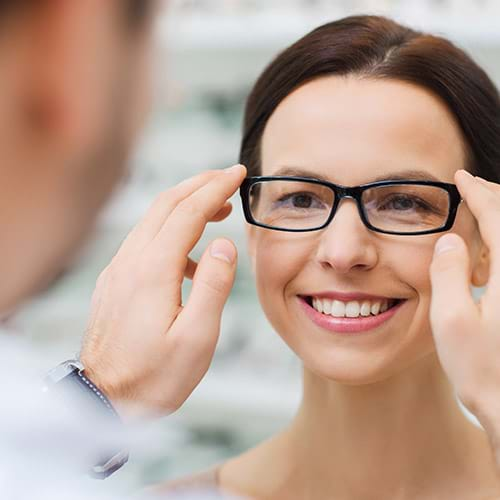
{"x":131,"y":206}
{"x":224,"y":52}
{"x":273,"y":28}
{"x":242,"y":401}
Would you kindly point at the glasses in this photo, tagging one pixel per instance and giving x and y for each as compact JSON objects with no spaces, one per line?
{"x":299,"y":204}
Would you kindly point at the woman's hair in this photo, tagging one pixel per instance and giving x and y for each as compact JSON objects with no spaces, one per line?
{"x":378,"y":48}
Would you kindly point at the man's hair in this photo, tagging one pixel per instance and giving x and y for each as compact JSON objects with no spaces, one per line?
{"x":136,"y":11}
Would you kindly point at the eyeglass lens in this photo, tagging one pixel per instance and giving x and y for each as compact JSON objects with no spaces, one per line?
{"x":404,"y":208}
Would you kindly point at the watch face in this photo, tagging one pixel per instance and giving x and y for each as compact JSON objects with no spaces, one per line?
{"x":102,"y":471}
{"x":62,"y":370}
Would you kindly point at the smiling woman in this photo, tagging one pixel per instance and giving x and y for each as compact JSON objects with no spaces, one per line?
{"x":356,"y":102}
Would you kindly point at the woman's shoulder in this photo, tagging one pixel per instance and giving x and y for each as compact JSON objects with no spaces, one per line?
{"x":233,"y":479}
{"x":207,"y":479}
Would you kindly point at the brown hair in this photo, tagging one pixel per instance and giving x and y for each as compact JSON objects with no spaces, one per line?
{"x":377,"y":47}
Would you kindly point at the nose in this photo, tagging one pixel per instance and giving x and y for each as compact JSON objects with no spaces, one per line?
{"x":346,"y":243}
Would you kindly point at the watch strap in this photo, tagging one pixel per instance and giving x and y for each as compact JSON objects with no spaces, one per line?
{"x":87,"y":388}
{"x":76,"y":380}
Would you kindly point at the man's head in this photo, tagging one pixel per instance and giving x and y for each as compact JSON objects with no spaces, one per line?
{"x":74,"y":88}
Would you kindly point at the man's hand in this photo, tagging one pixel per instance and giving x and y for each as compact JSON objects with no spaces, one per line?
{"x":467,"y":334}
{"x":143,"y":347}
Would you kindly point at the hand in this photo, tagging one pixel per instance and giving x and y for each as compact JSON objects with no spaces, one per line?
{"x":143,"y":348}
{"x":467,"y":335}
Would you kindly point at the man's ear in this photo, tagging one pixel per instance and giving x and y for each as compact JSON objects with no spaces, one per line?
{"x":481,"y":268}
{"x":70,"y":61}
{"x":251,"y":242}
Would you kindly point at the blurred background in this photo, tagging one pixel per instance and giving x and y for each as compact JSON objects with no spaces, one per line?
{"x":209,"y":54}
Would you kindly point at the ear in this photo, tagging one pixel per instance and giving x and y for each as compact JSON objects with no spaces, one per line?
{"x":251,"y":243}
{"x":481,"y":268}
{"x":70,"y":59}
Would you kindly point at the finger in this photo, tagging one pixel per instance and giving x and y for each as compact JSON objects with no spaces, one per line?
{"x":223,"y":213}
{"x":484,"y":204}
{"x":491,"y":185}
{"x":452,"y":305}
{"x":201,"y":316}
{"x":190,"y":217}
{"x":160,"y":209}
{"x":190,"y":268}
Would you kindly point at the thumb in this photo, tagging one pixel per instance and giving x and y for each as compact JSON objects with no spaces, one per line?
{"x":212,"y":283}
{"x":452,"y":301}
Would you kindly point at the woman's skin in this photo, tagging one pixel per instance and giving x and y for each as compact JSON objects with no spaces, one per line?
{"x":379,"y":417}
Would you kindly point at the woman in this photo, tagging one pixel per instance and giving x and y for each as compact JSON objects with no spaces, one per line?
{"x":346,"y":282}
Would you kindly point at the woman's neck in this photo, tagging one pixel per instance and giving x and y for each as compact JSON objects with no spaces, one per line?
{"x":397,"y":438}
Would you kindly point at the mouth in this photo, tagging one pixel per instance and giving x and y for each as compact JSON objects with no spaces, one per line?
{"x":352,"y":316}
{"x":350,"y":309}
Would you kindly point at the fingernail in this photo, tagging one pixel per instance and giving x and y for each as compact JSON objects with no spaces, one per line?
{"x":446,"y":243}
{"x":232,"y":169}
{"x":223,"y":250}
{"x":480,"y":179}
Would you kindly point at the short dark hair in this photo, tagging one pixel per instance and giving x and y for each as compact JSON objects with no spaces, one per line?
{"x":377,"y":47}
{"x":136,"y":11}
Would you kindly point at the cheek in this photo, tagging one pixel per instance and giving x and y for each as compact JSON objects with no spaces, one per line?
{"x":279,"y":259}
{"x":140,"y":97}
{"x":412,"y":267}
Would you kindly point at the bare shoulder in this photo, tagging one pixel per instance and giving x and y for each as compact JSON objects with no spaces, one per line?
{"x":206,"y":480}
{"x":257,"y":472}
{"x":244,"y":477}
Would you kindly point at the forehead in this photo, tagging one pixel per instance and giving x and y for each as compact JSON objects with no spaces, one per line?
{"x":353,"y":130}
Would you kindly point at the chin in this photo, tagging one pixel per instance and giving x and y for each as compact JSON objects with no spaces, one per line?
{"x":351,"y":368}
{"x":348,"y":372}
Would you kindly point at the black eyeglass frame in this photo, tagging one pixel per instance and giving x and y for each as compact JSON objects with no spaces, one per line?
{"x":354,"y":192}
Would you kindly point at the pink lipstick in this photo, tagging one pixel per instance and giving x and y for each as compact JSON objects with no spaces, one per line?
{"x":345,"y":325}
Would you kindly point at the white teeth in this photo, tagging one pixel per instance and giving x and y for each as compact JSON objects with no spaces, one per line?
{"x":351,"y":309}
{"x":338,"y":309}
{"x":375,"y":308}
{"x":365,"y":308}
{"x":327,"y":306}
{"x":318,"y":305}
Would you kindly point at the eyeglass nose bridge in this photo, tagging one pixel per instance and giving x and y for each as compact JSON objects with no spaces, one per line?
{"x":347,"y":192}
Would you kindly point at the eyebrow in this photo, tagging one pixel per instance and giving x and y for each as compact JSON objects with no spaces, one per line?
{"x":418,"y":175}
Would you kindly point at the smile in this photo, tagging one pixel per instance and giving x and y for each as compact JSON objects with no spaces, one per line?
{"x":352,"y":316}
{"x":352,"y":308}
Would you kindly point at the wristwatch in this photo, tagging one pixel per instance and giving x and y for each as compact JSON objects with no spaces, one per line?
{"x":70,"y":375}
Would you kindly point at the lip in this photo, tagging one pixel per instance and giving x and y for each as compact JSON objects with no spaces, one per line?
{"x":361,"y":324}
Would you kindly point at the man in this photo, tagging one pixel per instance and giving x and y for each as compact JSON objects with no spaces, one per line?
{"x":74,"y":91}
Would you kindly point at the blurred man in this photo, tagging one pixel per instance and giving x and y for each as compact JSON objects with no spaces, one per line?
{"x":74,"y":90}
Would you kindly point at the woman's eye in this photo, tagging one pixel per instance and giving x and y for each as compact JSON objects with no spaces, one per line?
{"x":404,"y":203}
{"x":300,"y":200}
